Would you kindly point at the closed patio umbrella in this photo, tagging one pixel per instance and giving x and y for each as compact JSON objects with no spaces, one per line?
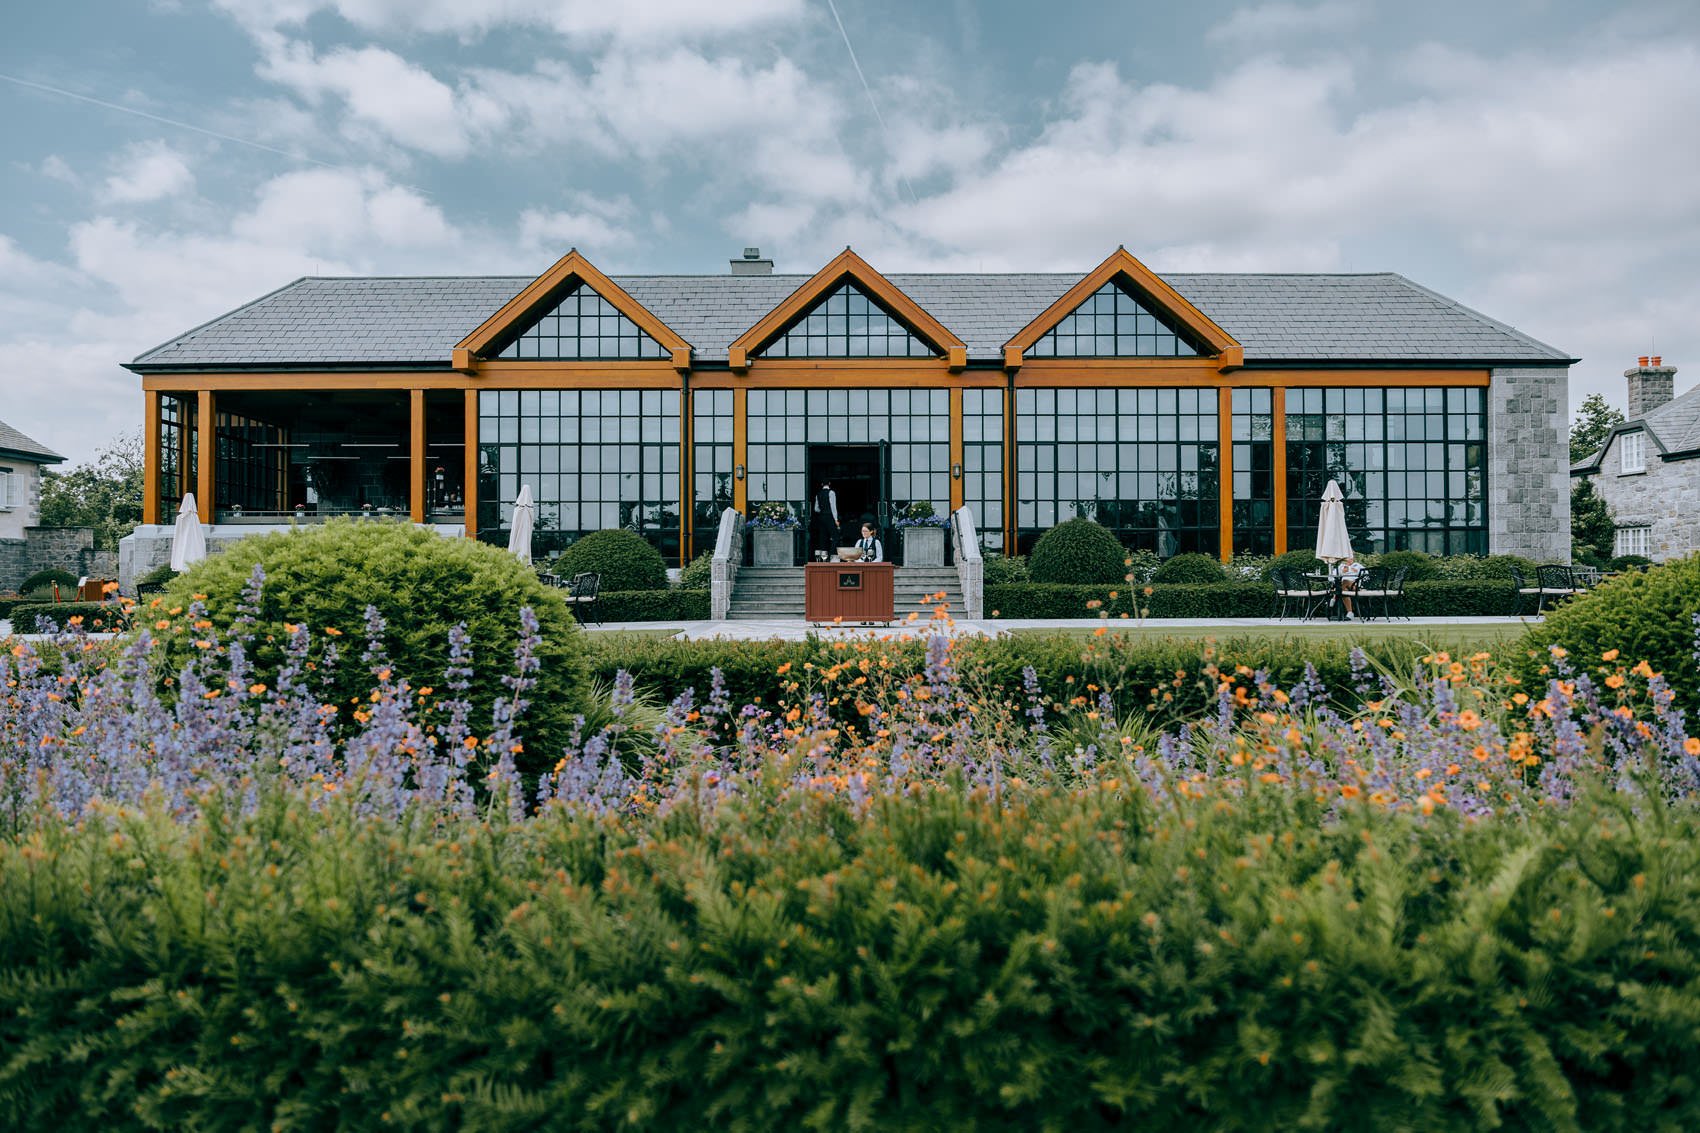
{"x":525,"y":517}
{"x":188,"y":540}
{"x":1333,"y":542}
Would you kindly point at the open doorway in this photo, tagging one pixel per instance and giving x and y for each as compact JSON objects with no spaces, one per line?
{"x":860,"y":475}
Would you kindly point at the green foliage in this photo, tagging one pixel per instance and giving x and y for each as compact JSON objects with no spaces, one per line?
{"x":1190,"y":569}
{"x":1645,"y":615}
{"x":97,"y":617}
{"x":918,"y":509}
{"x":676,"y":605}
{"x":1078,"y":551}
{"x":422,"y":584}
{"x":105,"y":495}
{"x":1006,"y":570}
{"x":1302,"y":561}
{"x":1594,"y":421}
{"x":1142,"y":564}
{"x":698,"y":573}
{"x":623,"y":559}
{"x":158,"y":576}
{"x":43,"y":580}
{"x":1479,"y":568}
{"x":1062,"y":960}
{"x":1592,"y":528}
{"x":1630,"y":562}
{"x":1419,"y":565}
{"x":1438,"y":598}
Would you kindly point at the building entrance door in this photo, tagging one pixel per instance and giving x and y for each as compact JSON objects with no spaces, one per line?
{"x":861,"y":477}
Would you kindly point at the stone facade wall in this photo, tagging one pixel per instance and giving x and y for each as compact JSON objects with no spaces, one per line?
{"x":1529,"y":463}
{"x":70,"y":549}
{"x":1666,"y":498}
{"x":14,"y":520}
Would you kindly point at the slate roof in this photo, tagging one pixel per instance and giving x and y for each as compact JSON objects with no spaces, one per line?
{"x":1380,"y":317}
{"x":14,"y":443}
{"x":1674,"y":427}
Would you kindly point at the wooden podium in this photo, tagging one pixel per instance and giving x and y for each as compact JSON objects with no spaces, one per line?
{"x":852,"y":593}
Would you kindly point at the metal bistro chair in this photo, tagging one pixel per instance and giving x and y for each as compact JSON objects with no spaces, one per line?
{"x":581,"y":596}
{"x":1555,"y":585}
{"x":1584,"y":578}
{"x":1286,"y":591}
{"x":1374,"y":592}
{"x":1524,"y":592}
{"x":1315,"y":595}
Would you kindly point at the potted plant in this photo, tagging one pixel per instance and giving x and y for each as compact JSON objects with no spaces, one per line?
{"x":773,"y":534}
{"x":923,"y":534}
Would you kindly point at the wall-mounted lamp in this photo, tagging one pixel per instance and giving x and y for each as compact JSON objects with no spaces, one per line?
{"x":738,"y":471}
{"x":956,"y":472}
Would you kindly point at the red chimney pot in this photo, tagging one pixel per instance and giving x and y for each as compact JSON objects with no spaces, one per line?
{"x":1658,"y":360}
{"x":1641,"y":361}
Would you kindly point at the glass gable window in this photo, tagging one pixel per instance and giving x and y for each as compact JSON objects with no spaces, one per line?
{"x":595,"y":460}
{"x":1412,"y":464}
{"x":583,"y":326}
{"x":711,"y":463}
{"x":982,"y":462}
{"x":1142,"y":462}
{"x":1112,"y":324}
{"x":847,"y":324}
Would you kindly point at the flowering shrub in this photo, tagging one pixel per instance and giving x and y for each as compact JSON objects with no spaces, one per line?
{"x":888,"y":899}
{"x":919,"y":513}
{"x":773,"y":513}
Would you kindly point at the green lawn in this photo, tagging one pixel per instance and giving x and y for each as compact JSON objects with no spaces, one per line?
{"x":1441,"y":636}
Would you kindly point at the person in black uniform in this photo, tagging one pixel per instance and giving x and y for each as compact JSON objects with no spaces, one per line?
{"x":823,"y":523}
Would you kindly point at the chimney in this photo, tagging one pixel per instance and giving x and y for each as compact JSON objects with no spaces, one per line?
{"x":1651,"y":384}
{"x":752,"y":264}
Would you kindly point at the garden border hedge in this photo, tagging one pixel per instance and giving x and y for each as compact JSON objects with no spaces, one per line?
{"x":1440,"y":598}
{"x":98,"y":617}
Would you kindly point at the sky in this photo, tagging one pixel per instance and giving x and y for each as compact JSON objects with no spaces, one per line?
{"x":168,"y":160}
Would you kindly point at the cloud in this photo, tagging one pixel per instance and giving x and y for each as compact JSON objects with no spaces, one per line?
{"x":593,"y":226}
{"x":149,"y":171}
{"x":647,"y":22}
{"x":1262,"y":24}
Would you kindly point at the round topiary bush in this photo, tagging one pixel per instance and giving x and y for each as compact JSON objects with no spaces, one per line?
{"x":1190,"y":570}
{"x":1644,"y":615}
{"x":1419,"y":567}
{"x":623,"y":559}
{"x":1077,"y":551}
{"x":423,"y":585}
{"x":44,"y":580}
{"x":1303,"y":561}
{"x":698,"y":573}
{"x":1630,"y":562}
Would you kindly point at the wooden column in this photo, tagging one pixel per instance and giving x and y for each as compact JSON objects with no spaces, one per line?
{"x":469,"y":465}
{"x":740,"y":450}
{"x":956,"y":494}
{"x":150,"y":457}
{"x":1225,"y":477}
{"x":416,"y":455}
{"x":206,"y":426}
{"x":1278,"y":443}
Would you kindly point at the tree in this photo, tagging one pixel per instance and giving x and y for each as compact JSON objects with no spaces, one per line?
{"x":1593,"y":423}
{"x":105,"y":494}
{"x":1591,"y":525}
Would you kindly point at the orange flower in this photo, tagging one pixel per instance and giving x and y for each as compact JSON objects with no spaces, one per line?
{"x":1691,"y":745}
{"x":1468,"y":720}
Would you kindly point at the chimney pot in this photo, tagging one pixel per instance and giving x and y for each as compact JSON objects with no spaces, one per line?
{"x":752,"y":264}
{"x":1651,"y":384}
{"x":1641,"y":361}
{"x":1658,"y":361}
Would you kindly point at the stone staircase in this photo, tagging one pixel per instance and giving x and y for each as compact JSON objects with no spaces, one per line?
{"x":776,"y":593}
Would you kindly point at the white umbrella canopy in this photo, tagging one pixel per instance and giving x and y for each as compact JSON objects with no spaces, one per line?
{"x":525,"y":518}
{"x":1333,"y":542}
{"x":188,"y":540}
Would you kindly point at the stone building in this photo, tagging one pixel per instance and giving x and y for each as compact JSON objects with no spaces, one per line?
{"x":23,"y":545}
{"x":1187,"y":412}
{"x":1648,"y":471}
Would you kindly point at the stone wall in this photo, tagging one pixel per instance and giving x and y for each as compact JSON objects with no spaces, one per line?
{"x":1529,"y":463}
{"x":70,"y":549}
{"x":1666,"y":498}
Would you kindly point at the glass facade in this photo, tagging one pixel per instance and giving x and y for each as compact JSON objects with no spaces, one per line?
{"x":1112,"y":324}
{"x":1412,"y":464}
{"x":583,"y":325}
{"x":983,"y":463}
{"x":1254,"y":471}
{"x":711,"y":463}
{"x":176,"y":465}
{"x":913,"y":425}
{"x":847,"y":324}
{"x":252,"y":469}
{"x":595,"y":459}
{"x":1143,"y":462}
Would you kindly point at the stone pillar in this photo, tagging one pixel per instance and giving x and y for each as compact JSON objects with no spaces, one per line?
{"x":1651,"y":384}
{"x":1528,"y":489}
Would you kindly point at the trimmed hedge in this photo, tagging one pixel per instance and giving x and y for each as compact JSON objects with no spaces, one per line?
{"x":1078,"y":551}
{"x":624,"y":559}
{"x":98,"y":617}
{"x":698,"y":573}
{"x":676,"y":605}
{"x":1190,"y":570}
{"x":44,"y":580}
{"x":1438,"y":599}
{"x":936,"y":960}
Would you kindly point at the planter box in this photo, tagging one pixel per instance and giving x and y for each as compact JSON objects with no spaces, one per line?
{"x":773,"y":546}
{"x":923,"y":546}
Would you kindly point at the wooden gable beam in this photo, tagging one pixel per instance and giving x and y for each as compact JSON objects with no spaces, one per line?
{"x":471,"y":350}
{"x":848,"y":265}
{"x":1121,"y":263}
